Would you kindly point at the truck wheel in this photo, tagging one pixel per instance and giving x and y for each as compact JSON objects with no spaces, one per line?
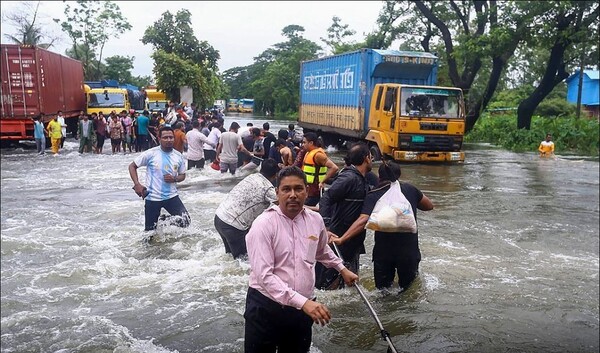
{"x":375,"y":152}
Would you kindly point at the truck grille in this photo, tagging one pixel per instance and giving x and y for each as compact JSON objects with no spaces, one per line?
{"x":438,"y":143}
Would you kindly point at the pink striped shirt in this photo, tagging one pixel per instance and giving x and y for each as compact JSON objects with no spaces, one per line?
{"x":283,"y":252}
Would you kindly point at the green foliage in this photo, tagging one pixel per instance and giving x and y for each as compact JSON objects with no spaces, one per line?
{"x":570,"y":135}
{"x":119,"y":68}
{"x":273,"y":80}
{"x":180,"y":59}
{"x":336,"y":36}
{"x":89,"y":25}
{"x":555,"y":107}
{"x":174,"y":34}
{"x":141,"y":81}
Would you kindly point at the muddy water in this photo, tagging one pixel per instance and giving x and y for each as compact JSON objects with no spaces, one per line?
{"x":510,"y":261}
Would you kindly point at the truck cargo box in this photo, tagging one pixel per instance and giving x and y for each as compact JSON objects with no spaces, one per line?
{"x":336,"y":91}
{"x":36,"y":80}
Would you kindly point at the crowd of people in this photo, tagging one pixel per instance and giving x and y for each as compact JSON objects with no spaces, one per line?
{"x":284,"y":221}
{"x":128,"y":131}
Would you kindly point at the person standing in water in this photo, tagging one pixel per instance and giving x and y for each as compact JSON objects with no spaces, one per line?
{"x":546,"y":148}
{"x":284,"y":243}
{"x":164,"y":168}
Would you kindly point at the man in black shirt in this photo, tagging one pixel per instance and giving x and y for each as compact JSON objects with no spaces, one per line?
{"x":340,"y":206}
{"x":393,"y":252}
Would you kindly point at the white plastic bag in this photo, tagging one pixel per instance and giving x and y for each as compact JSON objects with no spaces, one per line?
{"x":393,"y":213}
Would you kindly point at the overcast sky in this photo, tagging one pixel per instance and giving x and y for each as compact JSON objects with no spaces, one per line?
{"x":239,"y":30}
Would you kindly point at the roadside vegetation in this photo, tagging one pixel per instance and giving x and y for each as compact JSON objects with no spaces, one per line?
{"x":554,"y":116}
{"x":506,"y":56}
{"x":570,"y":135}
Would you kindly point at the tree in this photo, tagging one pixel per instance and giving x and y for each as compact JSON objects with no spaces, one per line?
{"x":180,"y":59}
{"x":336,"y":36}
{"x":174,"y":34}
{"x":276,"y":88}
{"x":28,"y":30}
{"x":142,"y":81}
{"x":561,"y":27}
{"x":89,"y":25}
{"x":119,"y":68}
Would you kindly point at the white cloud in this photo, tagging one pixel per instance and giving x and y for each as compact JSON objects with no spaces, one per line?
{"x":240,"y":30}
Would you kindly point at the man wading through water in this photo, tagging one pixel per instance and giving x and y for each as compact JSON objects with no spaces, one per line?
{"x":340,"y":206}
{"x":283,"y":244}
{"x":164,"y":168}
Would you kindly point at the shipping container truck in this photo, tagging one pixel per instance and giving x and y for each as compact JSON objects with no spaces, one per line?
{"x":386,"y":98}
{"x":246,"y":105}
{"x":35,"y":80}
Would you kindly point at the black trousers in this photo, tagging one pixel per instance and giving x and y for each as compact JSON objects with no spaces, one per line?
{"x":195,"y":164}
{"x":173,"y":205}
{"x":233,"y":238}
{"x":272,"y":327}
{"x":384,"y":271}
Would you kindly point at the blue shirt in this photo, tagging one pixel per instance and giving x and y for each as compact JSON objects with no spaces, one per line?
{"x":38,"y":130}
{"x":142,"y":122}
{"x":158,"y":163}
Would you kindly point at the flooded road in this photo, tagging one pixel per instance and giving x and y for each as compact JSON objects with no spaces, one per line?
{"x":510,"y":261}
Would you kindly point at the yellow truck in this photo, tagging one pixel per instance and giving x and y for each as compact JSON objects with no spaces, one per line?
{"x":157,"y":100}
{"x":108,"y":95}
{"x":386,"y":98}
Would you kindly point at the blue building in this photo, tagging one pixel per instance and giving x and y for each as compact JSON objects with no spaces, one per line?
{"x":590,"y":94}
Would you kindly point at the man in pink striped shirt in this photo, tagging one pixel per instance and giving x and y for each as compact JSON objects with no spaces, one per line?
{"x":283,"y":245}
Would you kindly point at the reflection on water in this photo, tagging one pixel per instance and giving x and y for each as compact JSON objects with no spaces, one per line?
{"x":510,"y":261}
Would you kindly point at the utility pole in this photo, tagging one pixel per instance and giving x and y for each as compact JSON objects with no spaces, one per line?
{"x":580,"y":84}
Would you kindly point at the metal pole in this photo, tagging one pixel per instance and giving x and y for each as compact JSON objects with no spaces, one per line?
{"x":384,"y":334}
{"x":580,"y":84}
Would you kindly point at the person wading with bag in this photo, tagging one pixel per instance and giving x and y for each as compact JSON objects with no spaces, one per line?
{"x":396,"y":247}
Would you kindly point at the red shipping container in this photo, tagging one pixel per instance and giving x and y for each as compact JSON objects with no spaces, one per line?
{"x":36,"y":80}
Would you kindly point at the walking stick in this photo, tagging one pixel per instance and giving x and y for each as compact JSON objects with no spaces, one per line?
{"x":384,"y":334}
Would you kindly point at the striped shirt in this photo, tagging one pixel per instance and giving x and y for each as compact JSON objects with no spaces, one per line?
{"x":158,"y":163}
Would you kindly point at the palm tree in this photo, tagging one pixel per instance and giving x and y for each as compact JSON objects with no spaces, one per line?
{"x":28,"y":32}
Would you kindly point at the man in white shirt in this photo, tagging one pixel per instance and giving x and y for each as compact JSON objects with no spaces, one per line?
{"x":196,"y":141}
{"x":165,"y":167}
{"x":229,"y":145}
{"x":210,"y":153}
{"x":248,"y":199}
{"x":61,"y":120}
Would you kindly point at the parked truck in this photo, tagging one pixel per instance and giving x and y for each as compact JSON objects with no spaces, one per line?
{"x":157,"y":100}
{"x":34,"y":81}
{"x":108,"y":95}
{"x":246,"y":105}
{"x":232,"y":105}
{"x":386,"y":98}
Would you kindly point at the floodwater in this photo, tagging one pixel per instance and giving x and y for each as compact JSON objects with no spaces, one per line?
{"x":510,"y":261}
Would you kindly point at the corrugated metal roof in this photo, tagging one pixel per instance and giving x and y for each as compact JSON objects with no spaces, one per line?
{"x":592,"y":74}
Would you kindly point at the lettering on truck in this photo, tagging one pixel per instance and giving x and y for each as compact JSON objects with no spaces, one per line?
{"x":337,"y":80}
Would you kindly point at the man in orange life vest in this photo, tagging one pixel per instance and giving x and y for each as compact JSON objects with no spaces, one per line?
{"x":317,"y":167}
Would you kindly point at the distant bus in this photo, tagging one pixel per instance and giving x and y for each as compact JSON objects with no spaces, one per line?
{"x":246,"y":105}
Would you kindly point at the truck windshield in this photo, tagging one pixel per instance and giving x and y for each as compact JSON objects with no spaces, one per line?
{"x":425,"y":102}
{"x":156,"y":105}
{"x":105,"y":100}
